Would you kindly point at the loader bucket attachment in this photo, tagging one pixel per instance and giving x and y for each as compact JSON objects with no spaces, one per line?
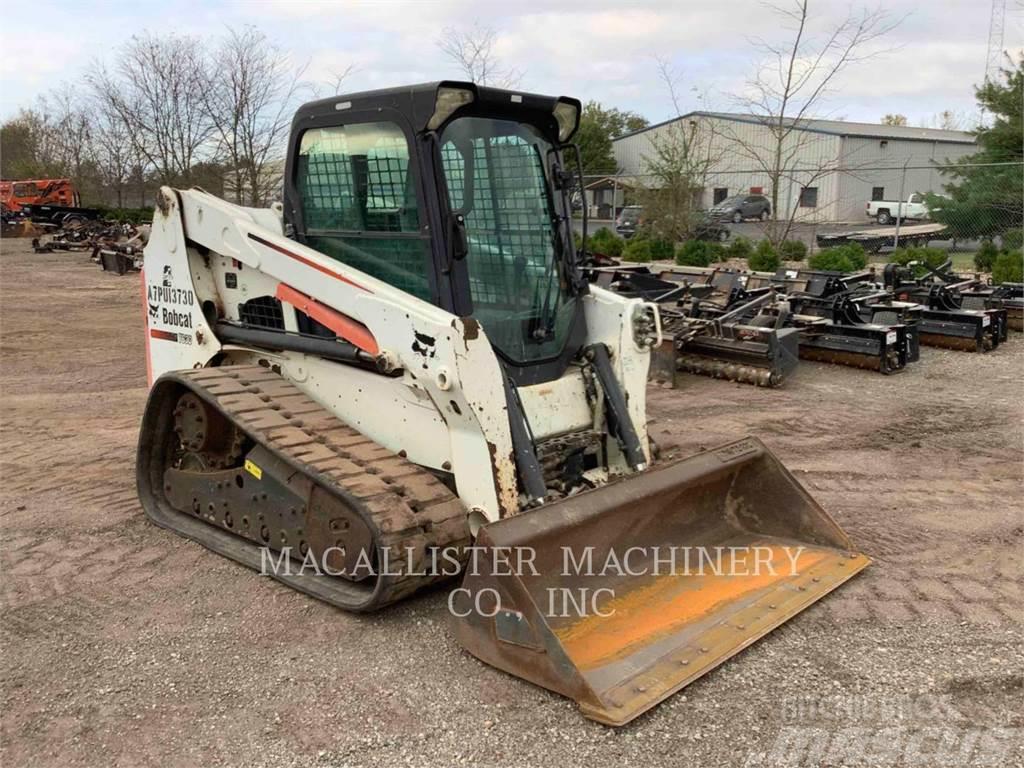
{"x":582,"y":596}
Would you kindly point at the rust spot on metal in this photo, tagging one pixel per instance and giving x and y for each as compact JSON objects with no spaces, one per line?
{"x":470,"y":328}
{"x":503,"y":508}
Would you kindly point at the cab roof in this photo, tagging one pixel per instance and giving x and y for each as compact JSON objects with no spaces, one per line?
{"x":416,"y":103}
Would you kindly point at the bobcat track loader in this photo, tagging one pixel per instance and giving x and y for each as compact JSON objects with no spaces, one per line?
{"x":403,"y":359}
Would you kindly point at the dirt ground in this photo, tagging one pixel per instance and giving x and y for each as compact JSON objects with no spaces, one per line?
{"x":125,"y":645}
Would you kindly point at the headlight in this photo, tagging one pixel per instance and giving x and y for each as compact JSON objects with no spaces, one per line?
{"x":568,"y":116}
{"x":448,"y":100}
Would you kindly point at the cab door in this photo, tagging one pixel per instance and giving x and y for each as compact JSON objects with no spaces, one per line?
{"x":355,"y":193}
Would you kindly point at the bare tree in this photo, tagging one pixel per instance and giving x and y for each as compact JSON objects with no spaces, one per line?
{"x":472,"y":50}
{"x":70,"y":122}
{"x":682,"y":153}
{"x":947,"y":120}
{"x":790,"y":87}
{"x":115,"y":155}
{"x":249,"y":96}
{"x":157,"y":92}
{"x":334,"y":86}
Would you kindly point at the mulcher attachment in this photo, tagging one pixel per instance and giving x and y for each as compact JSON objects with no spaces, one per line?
{"x":1011,"y":296}
{"x":948,"y":318}
{"x":827,"y":307}
{"x":712,"y":325}
{"x":882,"y":310}
{"x":619,"y":597}
{"x":757,"y":351}
{"x":241,"y":461}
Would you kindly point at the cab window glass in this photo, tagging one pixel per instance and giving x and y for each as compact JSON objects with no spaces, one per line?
{"x":359,"y":202}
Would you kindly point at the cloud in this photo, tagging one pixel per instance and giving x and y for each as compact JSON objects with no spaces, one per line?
{"x":601,"y":50}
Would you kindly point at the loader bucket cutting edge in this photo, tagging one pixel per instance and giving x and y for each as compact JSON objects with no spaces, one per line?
{"x":752,"y":549}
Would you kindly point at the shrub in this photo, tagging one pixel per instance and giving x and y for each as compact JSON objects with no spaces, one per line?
{"x":637,"y":250}
{"x":739,"y":248}
{"x":715,"y":252}
{"x":1008,"y":267}
{"x":130,"y":215}
{"x":986,"y":256}
{"x":933,"y":257}
{"x":764,"y":258}
{"x":793,"y":250}
{"x":662,"y":250}
{"x":1013,"y":239}
{"x":698,"y":253}
{"x":607,"y":243}
{"x":849,"y":257}
{"x":831,"y":260}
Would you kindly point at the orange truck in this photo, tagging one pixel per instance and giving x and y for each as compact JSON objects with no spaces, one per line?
{"x":47,"y":201}
{"x":15,"y":194}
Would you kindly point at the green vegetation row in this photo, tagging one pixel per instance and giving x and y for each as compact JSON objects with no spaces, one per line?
{"x":693,"y":253}
{"x":129,"y":215}
{"x":1004,"y":262}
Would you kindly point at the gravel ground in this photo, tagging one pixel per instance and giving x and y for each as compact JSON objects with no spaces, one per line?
{"x":125,"y":645}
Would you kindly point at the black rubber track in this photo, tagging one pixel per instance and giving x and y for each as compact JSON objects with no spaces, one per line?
{"x":405,"y":506}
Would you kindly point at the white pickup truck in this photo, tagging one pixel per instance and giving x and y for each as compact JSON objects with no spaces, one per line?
{"x":885,"y":211}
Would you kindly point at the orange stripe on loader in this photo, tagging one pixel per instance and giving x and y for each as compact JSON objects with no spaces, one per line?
{"x":347,"y":328}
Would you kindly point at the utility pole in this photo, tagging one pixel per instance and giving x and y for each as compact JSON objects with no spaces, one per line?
{"x":994,"y":54}
{"x":899,"y":204}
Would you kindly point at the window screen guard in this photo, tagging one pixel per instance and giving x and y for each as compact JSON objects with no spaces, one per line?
{"x":359,"y":202}
{"x":496,"y":178}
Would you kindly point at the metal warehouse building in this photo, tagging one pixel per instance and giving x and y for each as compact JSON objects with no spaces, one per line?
{"x":837,"y":166}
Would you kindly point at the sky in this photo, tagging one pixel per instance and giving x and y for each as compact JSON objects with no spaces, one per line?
{"x":594,"y":49}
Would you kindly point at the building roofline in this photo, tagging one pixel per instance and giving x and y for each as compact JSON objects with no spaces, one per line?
{"x":809,"y":127}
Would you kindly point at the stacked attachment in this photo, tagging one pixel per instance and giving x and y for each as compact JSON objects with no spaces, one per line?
{"x":713,"y":326}
{"x":952,"y":316}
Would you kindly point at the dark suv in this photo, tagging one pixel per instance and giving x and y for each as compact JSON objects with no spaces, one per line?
{"x":629,"y":218}
{"x":740,"y":207}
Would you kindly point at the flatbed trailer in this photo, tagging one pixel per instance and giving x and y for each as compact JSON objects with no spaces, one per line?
{"x":876,"y":238}
{"x":60,"y":215}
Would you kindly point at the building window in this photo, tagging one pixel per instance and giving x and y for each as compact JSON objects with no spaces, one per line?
{"x":877,"y":193}
{"x":757,"y":190}
{"x":809,"y":197}
{"x":720,"y":194}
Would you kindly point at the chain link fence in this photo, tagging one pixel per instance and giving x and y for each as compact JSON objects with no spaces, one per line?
{"x":959,"y":206}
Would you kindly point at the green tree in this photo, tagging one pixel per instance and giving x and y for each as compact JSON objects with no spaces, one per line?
{"x":17,"y":148}
{"x":598,"y":126}
{"x":26,"y":147}
{"x":986,"y":200}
